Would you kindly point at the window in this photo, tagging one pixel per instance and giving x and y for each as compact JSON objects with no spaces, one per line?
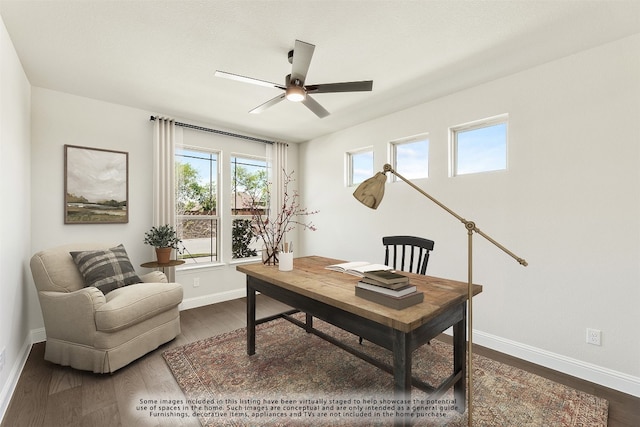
{"x":410,"y":157}
{"x":359,"y":166}
{"x":480,"y":146}
{"x":197,"y":199}
{"x":248,"y":193}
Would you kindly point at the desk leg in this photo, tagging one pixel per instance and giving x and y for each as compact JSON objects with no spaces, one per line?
{"x":251,"y":319}
{"x":402,"y":375}
{"x":309,"y":322}
{"x":460,"y":361}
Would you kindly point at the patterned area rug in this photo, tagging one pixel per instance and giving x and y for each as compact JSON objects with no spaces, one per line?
{"x":298,"y":379}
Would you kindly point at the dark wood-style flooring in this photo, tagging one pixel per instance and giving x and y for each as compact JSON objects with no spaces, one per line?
{"x":49,"y":395}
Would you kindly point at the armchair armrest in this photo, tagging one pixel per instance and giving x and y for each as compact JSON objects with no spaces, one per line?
{"x":154,"y":277}
{"x":70,"y":316}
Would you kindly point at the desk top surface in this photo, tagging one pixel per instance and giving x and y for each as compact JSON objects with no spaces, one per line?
{"x":310,"y":278}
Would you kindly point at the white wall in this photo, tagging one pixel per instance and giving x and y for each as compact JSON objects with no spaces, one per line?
{"x":14,"y":214}
{"x":568,"y":203}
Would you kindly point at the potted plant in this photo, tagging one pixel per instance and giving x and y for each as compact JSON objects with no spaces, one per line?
{"x":163,"y":238}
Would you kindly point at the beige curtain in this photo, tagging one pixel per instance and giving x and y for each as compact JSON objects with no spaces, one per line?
{"x":164,"y":194}
{"x":277,"y":158}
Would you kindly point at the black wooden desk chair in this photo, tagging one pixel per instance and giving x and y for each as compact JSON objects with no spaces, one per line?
{"x":407,"y":253}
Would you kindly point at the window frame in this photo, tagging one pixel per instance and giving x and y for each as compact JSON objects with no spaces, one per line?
{"x":349,"y":169}
{"x":407,"y":140}
{"x":475,"y":125}
{"x":219,"y":200}
{"x":233,"y":216}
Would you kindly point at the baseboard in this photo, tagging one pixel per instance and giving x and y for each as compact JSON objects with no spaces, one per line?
{"x":212,"y":299}
{"x":567,"y":365}
{"x":38,"y":335}
{"x":14,"y":375}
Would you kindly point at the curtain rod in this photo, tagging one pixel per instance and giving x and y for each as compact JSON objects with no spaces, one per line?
{"x":219,"y":132}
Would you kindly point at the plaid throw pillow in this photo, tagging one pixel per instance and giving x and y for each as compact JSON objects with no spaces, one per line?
{"x":107,"y":269}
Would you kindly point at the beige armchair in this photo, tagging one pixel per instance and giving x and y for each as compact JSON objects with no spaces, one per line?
{"x":89,"y":330}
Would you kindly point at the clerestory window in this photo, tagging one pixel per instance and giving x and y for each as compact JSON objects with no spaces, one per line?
{"x":479,"y":146}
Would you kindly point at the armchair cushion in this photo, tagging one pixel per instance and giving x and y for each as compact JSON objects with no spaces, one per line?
{"x":106,"y":269}
{"x":129,"y":306}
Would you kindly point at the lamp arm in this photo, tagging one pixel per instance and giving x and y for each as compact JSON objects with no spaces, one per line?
{"x":521,"y":261}
{"x":470,"y":225}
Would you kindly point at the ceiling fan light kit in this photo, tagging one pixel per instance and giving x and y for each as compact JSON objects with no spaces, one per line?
{"x":294,"y":87}
{"x":296,"y":93}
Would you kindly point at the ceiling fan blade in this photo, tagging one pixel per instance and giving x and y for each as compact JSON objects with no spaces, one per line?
{"x":362,"y":86}
{"x":302,"y":53}
{"x":269,"y":103}
{"x":313,"y":105}
{"x":244,"y":79}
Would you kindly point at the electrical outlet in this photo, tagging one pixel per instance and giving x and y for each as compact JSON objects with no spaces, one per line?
{"x":594,"y":336}
{"x":196,"y":282}
{"x":2,"y":359}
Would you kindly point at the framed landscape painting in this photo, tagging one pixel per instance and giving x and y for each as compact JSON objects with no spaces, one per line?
{"x":96,"y":186}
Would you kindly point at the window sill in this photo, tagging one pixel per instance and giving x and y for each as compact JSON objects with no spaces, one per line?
{"x":216,"y":265}
{"x":209,"y":265}
{"x":245,"y":261}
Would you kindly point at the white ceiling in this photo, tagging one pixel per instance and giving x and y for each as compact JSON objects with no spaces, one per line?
{"x":160,"y":56}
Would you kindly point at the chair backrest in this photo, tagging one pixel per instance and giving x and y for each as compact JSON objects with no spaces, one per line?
{"x":407,"y":253}
{"x":54,"y":270}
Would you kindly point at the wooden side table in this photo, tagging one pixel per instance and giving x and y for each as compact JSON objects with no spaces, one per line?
{"x":156,"y":264}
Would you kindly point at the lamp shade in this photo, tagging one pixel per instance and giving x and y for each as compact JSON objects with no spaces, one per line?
{"x":371,"y":191}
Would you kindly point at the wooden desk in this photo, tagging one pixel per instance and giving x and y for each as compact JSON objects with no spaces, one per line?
{"x":330,"y":296}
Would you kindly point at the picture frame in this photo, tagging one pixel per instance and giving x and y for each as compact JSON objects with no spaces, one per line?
{"x":96,"y":186}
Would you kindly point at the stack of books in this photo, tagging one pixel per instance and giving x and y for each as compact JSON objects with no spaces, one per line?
{"x":389,"y":289}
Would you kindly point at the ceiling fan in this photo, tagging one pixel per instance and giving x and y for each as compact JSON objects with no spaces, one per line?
{"x":294,"y":88}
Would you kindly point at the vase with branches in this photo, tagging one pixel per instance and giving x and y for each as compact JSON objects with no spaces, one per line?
{"x":271,"y":228}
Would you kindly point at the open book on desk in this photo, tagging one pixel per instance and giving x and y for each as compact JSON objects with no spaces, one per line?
{"x":357,"y":268}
